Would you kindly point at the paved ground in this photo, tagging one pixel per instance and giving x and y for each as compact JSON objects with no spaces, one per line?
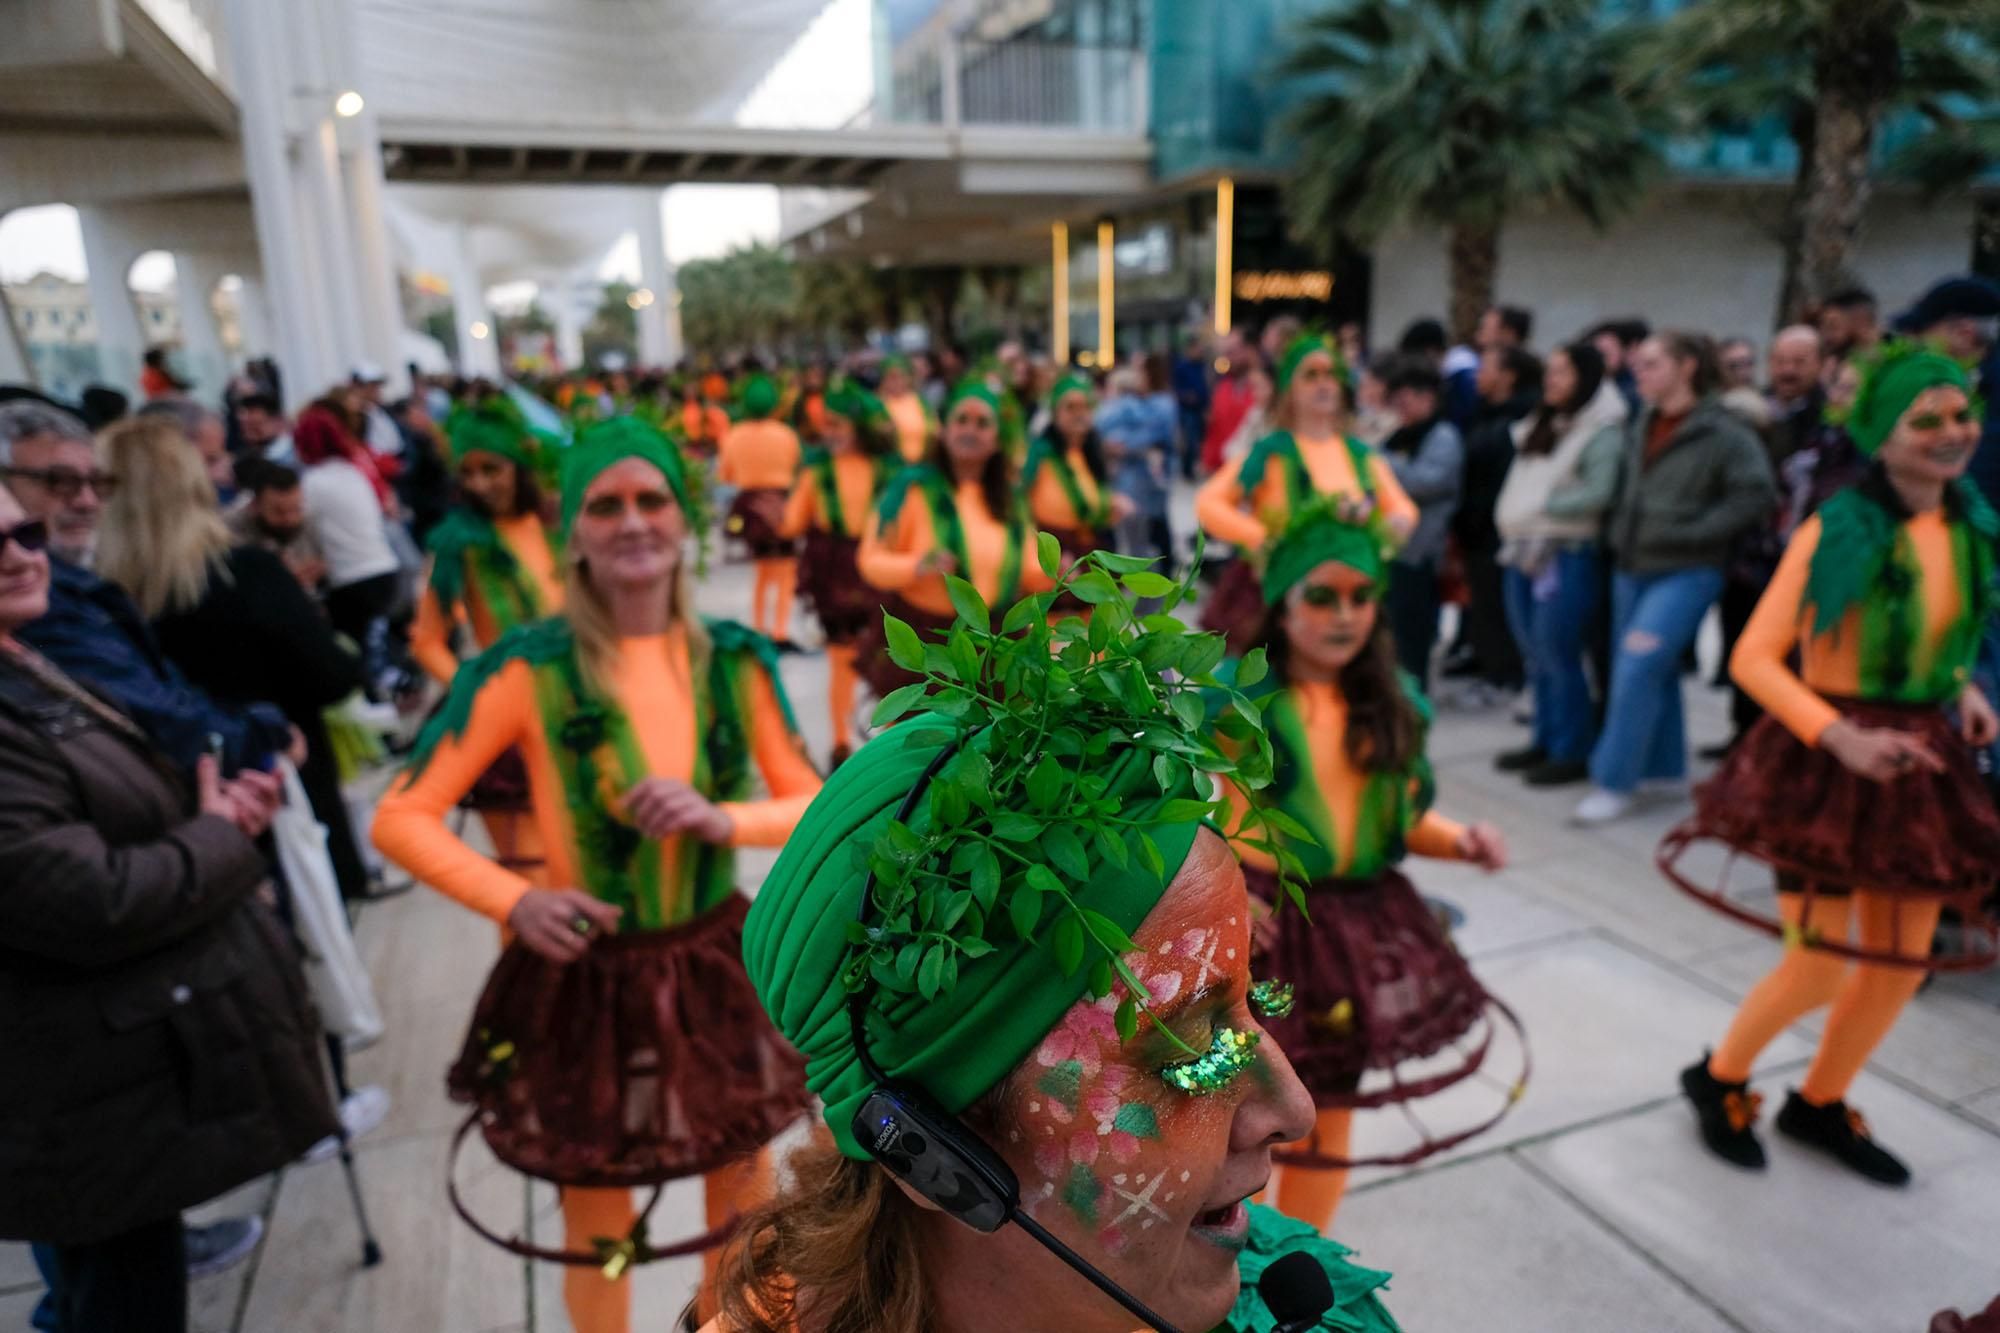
{"x":1591,"y":1207}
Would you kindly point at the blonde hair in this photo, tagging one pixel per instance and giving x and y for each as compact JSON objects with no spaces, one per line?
{"x":162,"y":536}
{"x":597,"y":634}
{"x":1284,"y":415}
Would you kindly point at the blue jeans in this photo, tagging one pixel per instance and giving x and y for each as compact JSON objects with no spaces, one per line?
{"x":1986,"y":673}
{"x":1552,"y":615}
{"x":1653,"y":620}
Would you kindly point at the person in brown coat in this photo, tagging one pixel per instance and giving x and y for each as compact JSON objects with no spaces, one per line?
{"x":156,"y":1043}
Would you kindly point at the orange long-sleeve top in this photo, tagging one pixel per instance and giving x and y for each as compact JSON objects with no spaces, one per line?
{"x":430,"y":633}
{"x":1226,"y":513}
{"x":1830,"y":663}
{"x":913,"y":427}
{"x":1334,"y":798}
{"x":889,"y":559}
{"x":759,"y":455}
{"x":1050,"y":502}
{"x":853,"y":477}
{"x":651,"y":684}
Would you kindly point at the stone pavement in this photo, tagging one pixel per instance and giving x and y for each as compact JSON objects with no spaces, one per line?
{"x":1592,"y":1206}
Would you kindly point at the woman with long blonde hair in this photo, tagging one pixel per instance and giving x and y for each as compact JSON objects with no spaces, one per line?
{"x":232,"y":618}
{"x":618,"y":1042}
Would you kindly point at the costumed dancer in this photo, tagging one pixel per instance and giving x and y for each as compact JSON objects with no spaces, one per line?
{"x":1377,"y":983}
{"x":616,"y":1043}
{"x":1859,"y":788}
{"x":959,"y":513}
{"x":1131,"y":1134}
{"x":1064,"y":472}
{"x":916,"y":425}
{"x":703,"y":424}
{"x":760,"y":457}
{"x":1249,"y":501}
{"x":492,"y":568}
{"x":834,"y":496}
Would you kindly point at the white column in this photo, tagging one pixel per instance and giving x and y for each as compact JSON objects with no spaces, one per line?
{"x":15,"y":368}
{"x":120,"y":343}
{"x":202,"y":354}
{"x":567,"y":311}
{"x":320,"y":154}
{"x":476,"y":355}
{"x":375,"y":276}
{"x":659,"y":332}
{"x":253,"y":317}
{"x":299,"y":335}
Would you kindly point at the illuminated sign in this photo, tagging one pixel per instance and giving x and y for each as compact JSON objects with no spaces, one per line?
{"x":1279,"y":286}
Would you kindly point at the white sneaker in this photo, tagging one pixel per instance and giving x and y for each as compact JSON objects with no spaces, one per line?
{"x":362,"y":1111}
{"x":1601,"y":807}
{"x":1524,"y":708}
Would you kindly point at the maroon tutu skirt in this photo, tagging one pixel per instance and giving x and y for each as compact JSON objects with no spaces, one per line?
{"x":1826,"y":830}
{"x":502,"y":788}
{"x":1377,"y":984}
{"x":832,"y":585}
{"x":647,"y":1060}
{"x":1235,"y":607}
{"x":871,"y":648}
{"x":756,"y":516}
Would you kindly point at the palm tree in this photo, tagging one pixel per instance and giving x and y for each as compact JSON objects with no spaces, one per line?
{"x":1831,"y":71}
{"x":1459,"y":114}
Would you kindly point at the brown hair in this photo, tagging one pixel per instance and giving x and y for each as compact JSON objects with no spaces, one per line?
{"x":1384,"y":733}
{"x":996,"y":478}
{"x":1700,"y":349}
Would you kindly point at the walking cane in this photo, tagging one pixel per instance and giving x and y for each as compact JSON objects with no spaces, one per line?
{"x":371,"y":1252}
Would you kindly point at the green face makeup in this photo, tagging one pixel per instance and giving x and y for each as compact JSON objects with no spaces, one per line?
{"x":1230,"y":1053}
{"x":1272,"y":999}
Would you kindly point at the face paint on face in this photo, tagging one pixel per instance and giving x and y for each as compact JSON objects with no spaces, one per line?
{"x":1328,"y":619}
{"x":972,"y":433}
{"x":1147,"y":1180}
{"x":1934,"y":441}
{"x":1073,"y":416}
{"x":630,"y":528}
{"x":1315,"y":388}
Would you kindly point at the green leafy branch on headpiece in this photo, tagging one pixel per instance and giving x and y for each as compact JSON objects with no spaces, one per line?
{"x":1063,"y":729}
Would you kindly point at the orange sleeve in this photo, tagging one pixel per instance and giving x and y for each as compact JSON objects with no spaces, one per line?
{"x":1218,"y":507}
{"x":789,"y":776}
{"x":1436,"y":837}
{"x":1760,"y":663}
{"x":883,"y":558}
{"x":801,"y":508}
{"x":410,"y":827}
{"x":430,"y":636}
{"x":1398,"y":509}
{"x":728,"y":460}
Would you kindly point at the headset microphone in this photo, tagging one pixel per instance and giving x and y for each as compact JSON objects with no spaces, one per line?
{"x":936,"y":1154}
{"x":1297,"y":1291}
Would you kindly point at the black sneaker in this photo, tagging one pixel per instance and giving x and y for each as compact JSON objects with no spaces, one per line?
{"x":1728,"y":1115}
{"x":1520,"y":761}
{"x":1557,"y":773}
{"x":1842,"y":1133}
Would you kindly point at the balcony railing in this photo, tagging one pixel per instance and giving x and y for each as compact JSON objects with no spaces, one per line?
{"x":1021,"y":83}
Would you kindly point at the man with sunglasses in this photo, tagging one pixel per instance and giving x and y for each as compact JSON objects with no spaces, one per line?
{"x":92,"y":631}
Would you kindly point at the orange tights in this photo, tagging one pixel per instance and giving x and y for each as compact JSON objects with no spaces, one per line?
{"x":598,"y":1306}
{"x":777,"y":580}
{"x":841,"y":683}
{"x":1311,"y":1194}
{"x":1867,"y":998}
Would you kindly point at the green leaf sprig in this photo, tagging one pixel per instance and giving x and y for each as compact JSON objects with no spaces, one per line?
{"x":1018,"y":818}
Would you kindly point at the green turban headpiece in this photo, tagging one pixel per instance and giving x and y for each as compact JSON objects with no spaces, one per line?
{"x":1006,"y":413}
{"x":759,"y":398}
{"x":609,"y":442}
{"x":1295,"y":354}
{"x":1072,"y":382}
{"x":845,"y":397}
{"x":1316,"y":535}
{"x":491,"y":429}
{"x":1067,"y":804}
{"x":1892,"y":378}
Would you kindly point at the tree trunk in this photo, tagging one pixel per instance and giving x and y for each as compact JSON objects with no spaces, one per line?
{"x":1475,"y":264}
{"x":1791,"y":293}
{"x":1854,"y":75}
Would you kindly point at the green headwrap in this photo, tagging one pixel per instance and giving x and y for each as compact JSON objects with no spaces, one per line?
{"x":1316,"y":535}
{"x":1892,"y":378}
{"x":1072,"y":382}
{"x":845,"y":397}
{"x":491,"y":430}
{"x":975,"y":387}
{"x":1295,"y":353}
{"x":604,"y":443}
{"x":759,"y":398}
{"x":1068,"y":805}
{"x":1006,"y":412}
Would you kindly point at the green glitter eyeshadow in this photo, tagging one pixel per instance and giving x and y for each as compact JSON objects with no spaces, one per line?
{"x":1229,"y":1054}
{"x":1271,"y":999}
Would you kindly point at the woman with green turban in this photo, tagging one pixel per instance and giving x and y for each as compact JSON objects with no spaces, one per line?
{"x":957,"y":513}
{"x":835,"y":493}
{"x":1859,"y":788}
{"x":1379,"y":986}
{"x":1064,"y":472}
{"x":1012,"y":907}
{"x":760,"y":458}
{"x":617,"y":1042}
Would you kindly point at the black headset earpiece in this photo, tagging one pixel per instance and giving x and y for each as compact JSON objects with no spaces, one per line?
{"x":937,"y":1154}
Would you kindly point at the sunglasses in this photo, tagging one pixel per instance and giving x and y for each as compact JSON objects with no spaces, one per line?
{"x":30,"y":535}
{"x":65,"y":483}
